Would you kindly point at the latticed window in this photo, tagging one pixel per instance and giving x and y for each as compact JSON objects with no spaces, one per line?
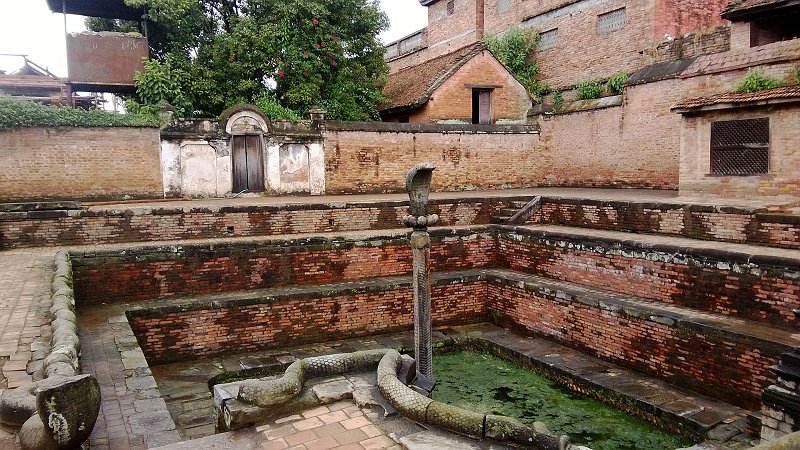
{"x":611,"y":21}
{"x":451,"y":6}
{"x":503,"y":6}
{"x":740,"y":147}
{"x":548,"y":39}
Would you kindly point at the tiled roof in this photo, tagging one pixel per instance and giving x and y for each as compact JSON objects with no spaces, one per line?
{"x":774,"y":53}
{"x":659,"y":71}
{"x":411,"y":87}
{"x":787,"y":92}
{"x":741,"y":8}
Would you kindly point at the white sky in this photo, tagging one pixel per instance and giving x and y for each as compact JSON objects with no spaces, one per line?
{"x":28,"y":27}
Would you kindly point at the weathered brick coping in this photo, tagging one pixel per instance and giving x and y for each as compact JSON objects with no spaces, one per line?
{"x":393,"y":127}
{"x":697,"y":253}
{"x":303,"y":293}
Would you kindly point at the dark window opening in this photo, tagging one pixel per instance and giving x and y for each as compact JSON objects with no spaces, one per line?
{"x":482,"y":106}
{"x":451,"y":7}
{"x":403,"y":119}
{"x":740,"y":147}
{"x":775,"y":29}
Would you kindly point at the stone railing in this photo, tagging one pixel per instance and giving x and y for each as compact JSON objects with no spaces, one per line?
{"x":60,"y":410}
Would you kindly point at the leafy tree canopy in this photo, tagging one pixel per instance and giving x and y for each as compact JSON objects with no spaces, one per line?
{"x":211,"y":54}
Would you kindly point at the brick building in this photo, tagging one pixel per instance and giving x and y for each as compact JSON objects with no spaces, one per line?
{"x":744,"y":145}
{"x":468,"y":85}
{"x":580,"y":40}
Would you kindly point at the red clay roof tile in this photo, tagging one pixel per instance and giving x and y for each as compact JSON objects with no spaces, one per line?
{"x":737,"y":98}
{"x":411,"y":87}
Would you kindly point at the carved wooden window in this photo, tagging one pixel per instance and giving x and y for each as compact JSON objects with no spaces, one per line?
{"x":611,"y":21}
{"x":548,"y":39}
{"x":740,"y":147}
{"x":451,"y":6}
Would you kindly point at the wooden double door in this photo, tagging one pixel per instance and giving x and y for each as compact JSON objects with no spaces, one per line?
{"x":248,"y":163}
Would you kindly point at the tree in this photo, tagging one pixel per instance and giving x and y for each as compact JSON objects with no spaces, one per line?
{"x":297,"y":53}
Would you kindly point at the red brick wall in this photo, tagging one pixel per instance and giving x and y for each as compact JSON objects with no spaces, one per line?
{"x":614,"y":147}
{"x":693,"y":221}
{"x":156,"y":273}
{"x":678,"y":17}
{"x":634,"y":145}
{"x":291,"y":321}
{"x":732,"y":370}
{"x":363,"y":161}
{"x":57,"y":228}
{"x":668,"y":275}
{"x":79,"y":163}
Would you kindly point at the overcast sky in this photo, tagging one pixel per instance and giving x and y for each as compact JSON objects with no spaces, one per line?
{"x":28,"y":27}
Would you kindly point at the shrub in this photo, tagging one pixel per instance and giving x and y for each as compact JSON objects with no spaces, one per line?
{"x":16,"y":113}
{"x":558,"y":99}
{"x":514,"y":49}
{"x":755,"y":81}
{"x":615,"y":83}
{"x":588,"y":90}
{"x":272,"y":109}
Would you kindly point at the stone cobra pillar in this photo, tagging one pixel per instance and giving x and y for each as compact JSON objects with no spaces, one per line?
{"x":418,"y":185}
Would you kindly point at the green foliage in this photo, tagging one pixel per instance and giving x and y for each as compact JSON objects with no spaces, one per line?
{"x":514,"y":49}
{"x":163,"y":84}
{"x":615,"y":83}
{"x":102,"y":24}
{"x":794,"y":75}
{"x":273,"y":109}
{"x":587,"y":90}
{"x":558,"y":99}
{"x":16,"y":113}
{"x":755,"y":81}
{"x":216,"y":53}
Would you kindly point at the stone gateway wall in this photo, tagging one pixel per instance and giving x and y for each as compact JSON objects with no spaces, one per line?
{"x":79,"y":163}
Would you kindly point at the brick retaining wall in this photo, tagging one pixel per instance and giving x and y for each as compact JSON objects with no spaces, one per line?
{"x":294,"y":320}
{"x":733,"y":370}
{"x":724,"y":283}
{"x":693,"y":221}
{"x":162,"y":272}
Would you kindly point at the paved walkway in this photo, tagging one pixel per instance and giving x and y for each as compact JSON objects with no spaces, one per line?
{"x":632,"y":195}
{"x":25,"y":287}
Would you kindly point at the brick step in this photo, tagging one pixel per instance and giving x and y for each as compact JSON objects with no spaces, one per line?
{"x":499,"y":219}
{"x":508,"y":212}
{"x":517,"y":204}
{"x":706,"y":221}
{"x":717,"y":355}
{"x":751,"y":282}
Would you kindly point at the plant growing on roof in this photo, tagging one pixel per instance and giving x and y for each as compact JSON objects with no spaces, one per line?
{"x":615,"y":84}
{"x":558,"y":99}
{"x":587,"y":90}
{"x":515,"y":48}
{"x":755,"y":81}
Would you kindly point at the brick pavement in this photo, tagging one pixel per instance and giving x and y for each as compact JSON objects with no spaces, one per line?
{"x":26,"y":279}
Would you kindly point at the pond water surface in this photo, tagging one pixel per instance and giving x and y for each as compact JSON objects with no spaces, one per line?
{"x":490,"y":385}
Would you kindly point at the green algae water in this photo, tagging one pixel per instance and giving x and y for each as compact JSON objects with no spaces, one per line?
{"x":490,"y":385}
